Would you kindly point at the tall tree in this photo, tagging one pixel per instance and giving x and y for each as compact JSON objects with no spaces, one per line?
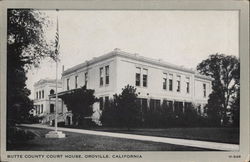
{"x":26,"y":47}
{"x":225,"y":71}
{"x":128,"y":110}
{"x":80,"y":102}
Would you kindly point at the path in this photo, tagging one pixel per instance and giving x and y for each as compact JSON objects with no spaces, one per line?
{"x":175,"y":141}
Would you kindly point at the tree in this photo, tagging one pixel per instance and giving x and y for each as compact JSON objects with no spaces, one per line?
{"x":109,"y":116}
{"x":80,"y":102}
{"x":128,"y":111}
{"x":26,"y":47}
{"x":225,"y":71}
{"x":236,"y":109}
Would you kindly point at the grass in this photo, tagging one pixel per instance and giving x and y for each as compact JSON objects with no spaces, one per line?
{"x":83,"y":142}
{"x":224,"y":135}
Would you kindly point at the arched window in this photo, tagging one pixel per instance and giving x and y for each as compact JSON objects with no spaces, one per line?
{"x":52,"y":91}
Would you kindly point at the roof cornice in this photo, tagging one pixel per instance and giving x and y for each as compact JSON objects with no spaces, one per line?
{"x":118,"y":52}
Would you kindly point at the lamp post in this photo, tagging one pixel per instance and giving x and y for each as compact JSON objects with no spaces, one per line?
{"x":56,"y":133}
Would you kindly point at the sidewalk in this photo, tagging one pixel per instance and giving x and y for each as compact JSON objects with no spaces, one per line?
{"x":175,"y":141}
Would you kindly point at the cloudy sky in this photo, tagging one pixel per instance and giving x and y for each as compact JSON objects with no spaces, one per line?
{"x":179,"y":37}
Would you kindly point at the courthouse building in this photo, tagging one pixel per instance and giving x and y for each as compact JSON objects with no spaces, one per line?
{"x":44,"y":106}
{"x":156,"y":81}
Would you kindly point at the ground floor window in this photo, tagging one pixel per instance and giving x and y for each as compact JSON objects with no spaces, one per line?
{"x":52,"y":108}
{"x":101,"y":103}
{"x":154,"y":104}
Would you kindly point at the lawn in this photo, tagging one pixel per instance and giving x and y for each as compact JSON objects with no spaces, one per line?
{"x":224,"y":135}
{"x":83,"y":142}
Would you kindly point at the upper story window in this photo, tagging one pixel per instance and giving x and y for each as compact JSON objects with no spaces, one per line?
{"x":187,"y":84}
{"x":76,"y":81}
{"x":52,"y":91}
{"x":101,"y":76}
{"x":86,"y":78}
{"x":36,"y":95}
{"x":42,"y":93}
{"x":107,"y":74}
{"x":67,"y":84}
{"x":138,"y":76}
{"x":145,"y":78}
{"x":170,"y":82}
{"x":178,"y":83}
{"x":164,"y":85}
{"x":39,"y":94}
{"x":204,"y":90}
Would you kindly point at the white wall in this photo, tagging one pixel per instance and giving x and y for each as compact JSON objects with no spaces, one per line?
{"x":45,"y":101}
{"x":94,"y":78}
{"x":126,"y":70}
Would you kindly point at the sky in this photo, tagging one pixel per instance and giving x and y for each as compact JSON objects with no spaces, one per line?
{"x":183,"y":38}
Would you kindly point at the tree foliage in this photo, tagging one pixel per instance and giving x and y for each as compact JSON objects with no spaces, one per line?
{"x":26,"y":47}
{"x":128,"y":110}
{"x":225,"y":71}
{"x":123,"y":110}
{"x":80,"y":102}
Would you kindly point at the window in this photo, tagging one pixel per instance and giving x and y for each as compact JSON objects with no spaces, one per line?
{"x":138,"y":77}
{"x":107,"y":74}
{"x":76,"y":78}
{"x":42,"y":108}
{"x":101,"y":103}
{"x":204,"y":90}
{"x":164,"y":86}
{"x":68,"y":84}
{"x":86,"y":78}
{"x":52,"y":91}
{"x":38,"y":109}
{"x":188,"y":84}
{"x":178,"y":83}
{"x":106,"y":102}
{"x":42,"y":93}
{"x":51,"y":107}
{"x":36,"y":95}
{"x":170,"y":84}
{"x":154,"y":104}
{"x":39,"y":94}
{"x":145,"y":77}
{"x":101,"y":76}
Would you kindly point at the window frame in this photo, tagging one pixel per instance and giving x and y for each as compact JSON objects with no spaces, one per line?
{"x":178,"y":81}
{"x":204,"y":90}
{"x":145,"y":75}
{"x":187,"y":85}
{"x":76,"y":81}
{"x":164,"y":83}
{"x":67,"y":82}
{"x":170,"y":82}
{"x":101,"y":76}
{"x":138,"y":76}
{"x":107,"y":74}
{"x":86,"y":78}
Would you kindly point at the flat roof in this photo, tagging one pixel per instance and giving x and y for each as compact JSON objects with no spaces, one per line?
{"x":135,"y":56}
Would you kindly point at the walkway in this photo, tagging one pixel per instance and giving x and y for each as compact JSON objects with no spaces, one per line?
{"x":175,"y":141}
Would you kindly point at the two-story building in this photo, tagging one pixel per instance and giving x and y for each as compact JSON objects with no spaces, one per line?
{"x":44,"y":106}
{"x":156,"y":81}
